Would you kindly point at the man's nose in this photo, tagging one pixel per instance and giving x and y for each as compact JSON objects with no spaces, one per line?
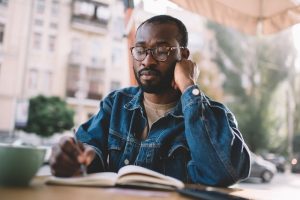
{"x":149,"y":59}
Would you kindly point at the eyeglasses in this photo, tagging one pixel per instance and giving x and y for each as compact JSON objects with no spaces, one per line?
{"x":159,"y":53}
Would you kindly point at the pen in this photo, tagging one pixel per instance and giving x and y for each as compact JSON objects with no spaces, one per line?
{"x":82,"y":166}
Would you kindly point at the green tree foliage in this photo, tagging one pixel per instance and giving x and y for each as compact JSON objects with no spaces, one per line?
{"x":48,"y":115}
{"x":296,"y":143}
{"x":254,"y":67}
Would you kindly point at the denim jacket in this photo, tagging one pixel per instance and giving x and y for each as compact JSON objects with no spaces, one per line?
{"x":197,"y":142}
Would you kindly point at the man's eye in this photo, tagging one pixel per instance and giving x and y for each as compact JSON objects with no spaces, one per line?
{"x":162,"y":49}
{"x":140,"y":50}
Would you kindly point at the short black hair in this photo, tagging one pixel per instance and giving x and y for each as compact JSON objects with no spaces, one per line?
{"x":167,"y":19}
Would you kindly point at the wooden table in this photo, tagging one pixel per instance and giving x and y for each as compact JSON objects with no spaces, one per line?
{"x":37,"y":190}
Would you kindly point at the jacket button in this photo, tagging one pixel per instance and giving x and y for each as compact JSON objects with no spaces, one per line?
{"x":126,"y":161}
{"x":195,"y":91}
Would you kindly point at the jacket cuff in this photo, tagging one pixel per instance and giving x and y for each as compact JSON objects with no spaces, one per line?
{"x":97,"y":164}
{"x":191,"y":95}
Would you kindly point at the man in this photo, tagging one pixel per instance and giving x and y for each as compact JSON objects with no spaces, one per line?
{"x":166,"y":124}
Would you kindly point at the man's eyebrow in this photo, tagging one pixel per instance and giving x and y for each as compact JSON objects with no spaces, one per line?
{"x":140,"y":43}
{"x":157,"y":43}
{"x":162,"y":43}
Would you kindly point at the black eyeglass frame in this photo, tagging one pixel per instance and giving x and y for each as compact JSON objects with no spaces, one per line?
{"x":152,"y":53}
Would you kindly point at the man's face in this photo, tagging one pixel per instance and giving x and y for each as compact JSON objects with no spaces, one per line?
{"x":156,"y":76}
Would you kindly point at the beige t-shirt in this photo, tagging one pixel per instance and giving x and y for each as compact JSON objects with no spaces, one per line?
{"x":155,"y":112}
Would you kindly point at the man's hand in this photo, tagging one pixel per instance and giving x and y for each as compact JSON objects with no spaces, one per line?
{"x":67,"y":156}
{"x":184,"y":74}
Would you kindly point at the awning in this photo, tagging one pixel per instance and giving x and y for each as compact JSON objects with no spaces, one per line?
{"x":248,"y":16}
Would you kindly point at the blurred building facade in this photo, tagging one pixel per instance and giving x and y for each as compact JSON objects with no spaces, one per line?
{"x":78,"y":50}
{"x":74,"y":49}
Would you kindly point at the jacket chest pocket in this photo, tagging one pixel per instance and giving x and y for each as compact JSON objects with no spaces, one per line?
{"x":175,"y":162}
{"x":115,"y":148}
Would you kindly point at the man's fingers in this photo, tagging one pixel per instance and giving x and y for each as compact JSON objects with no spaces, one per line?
{"x":196,"y":72}
{"x":80,"y":146}
{"x":63,"y":160}
{"x":59,"y":156}
{"x":67,"y":156}
{"x":61,"y":164}
{"x":69,"y":147}
{"x":87,"y":156}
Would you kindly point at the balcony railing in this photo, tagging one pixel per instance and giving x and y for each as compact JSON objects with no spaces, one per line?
{"x":90,"y":94}
{"x":92,"y":16}
{"x":76,"y":60}
{"x":90,"y":25}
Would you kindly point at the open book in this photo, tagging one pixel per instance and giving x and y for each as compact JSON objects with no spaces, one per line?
{"x":128,"y":176}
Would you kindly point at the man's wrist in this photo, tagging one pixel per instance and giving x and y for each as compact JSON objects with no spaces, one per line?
{"x":186,"y":85}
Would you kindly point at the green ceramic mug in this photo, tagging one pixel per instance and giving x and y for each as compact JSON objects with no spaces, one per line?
{"x":19,"y":164}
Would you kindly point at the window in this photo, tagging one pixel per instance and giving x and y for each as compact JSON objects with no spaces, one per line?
{"x":95,"y":89}
{"x":40,"y":6}
{"x":4,"y":2}
{"x":96,"y":50}
{"x":52,"y":41}
{"x":103,"y":13}
{"x":37,"y":40}
{"x":55,"y":7}
{"x":118,"y":28}
{"x":75,"y":47}
{"x":33,"y":79}
{"x":38,"y":22}
{"x":72,"y":81}
{"x":95,"y":83}
{"x":92,"y":13}
{"x":1,"y":33}
{"x":53,"y":25}
{"x":75,"y":54}
{"x":116,"y":57}
{"x":84,"y":8}
{"x":47,"y":82}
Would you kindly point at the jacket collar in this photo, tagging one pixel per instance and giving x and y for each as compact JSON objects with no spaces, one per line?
{"x":137,"y":101}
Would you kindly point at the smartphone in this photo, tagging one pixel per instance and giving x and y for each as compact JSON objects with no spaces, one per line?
{"x":203,"y":194}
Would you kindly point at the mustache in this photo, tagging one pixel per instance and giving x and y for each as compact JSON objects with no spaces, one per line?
{"x":148,"y":71}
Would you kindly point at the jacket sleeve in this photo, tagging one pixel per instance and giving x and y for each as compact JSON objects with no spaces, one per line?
{"x":219,"y":155}
{"x":94,"y":133}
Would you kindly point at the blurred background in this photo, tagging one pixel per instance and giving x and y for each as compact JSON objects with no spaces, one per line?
{"x":59,"y":58}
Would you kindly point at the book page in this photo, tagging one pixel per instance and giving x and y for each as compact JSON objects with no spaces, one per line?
{"x":136,"y":174}
{"x":95,"y":179}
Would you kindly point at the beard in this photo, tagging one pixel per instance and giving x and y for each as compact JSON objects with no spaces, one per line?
{"x":163,"y":84}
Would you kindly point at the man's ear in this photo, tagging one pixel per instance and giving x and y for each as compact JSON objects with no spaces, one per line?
{"x":185,"y":53}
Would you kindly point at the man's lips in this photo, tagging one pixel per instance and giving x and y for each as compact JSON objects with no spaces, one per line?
{"x":148,"y":74}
